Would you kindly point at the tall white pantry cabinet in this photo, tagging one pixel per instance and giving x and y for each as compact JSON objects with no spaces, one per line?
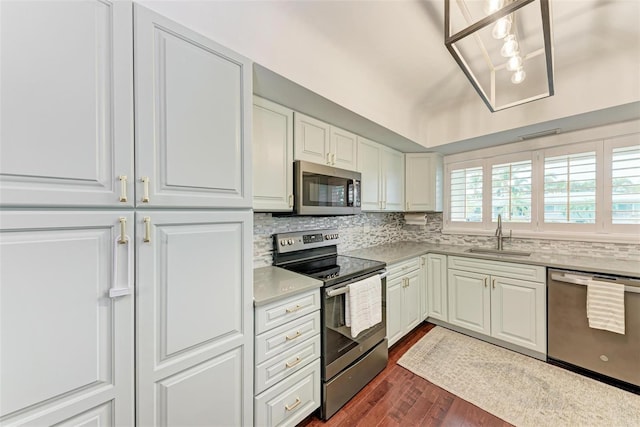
{"x":125,"y":290}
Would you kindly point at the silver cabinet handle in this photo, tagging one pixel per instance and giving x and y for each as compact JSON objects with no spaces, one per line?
{"x":293,"y":363}
{"x":294,"y":405}
{"x":294,"y":309}
{"x":328,"y":158}
{"x":116,"y":289}
{"x":147,"y":229}
{"x":290,"y":200}
{"x":123,"y":188}
{"x":123,"y":231}
{"x":333,"y":159}
{"x":293,"y":337}
{"x":145,"y":189}
{"x":485,"y":282}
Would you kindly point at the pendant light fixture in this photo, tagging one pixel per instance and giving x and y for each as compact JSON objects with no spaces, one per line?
{"x":504,"y":47}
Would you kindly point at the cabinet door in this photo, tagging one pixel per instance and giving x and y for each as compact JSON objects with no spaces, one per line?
{"x":66,"y":345}
{"x":344,"y":149}
{"x":67,"y":104}
{"x":423,"y":183}
{"x":424,"y":306}
{"x":437,"y":287}
{"x":394,"y":309}
{"x":411,"y":302}
{"x":518,"y":312}
{"x":393,"y":180}
{"x":193,"y":118}
{"x":312,"y":140}
{"x":272,"y":157}
{"x":469,"y":300}
{"x":369,"y":167}
{"x":194,"y":318}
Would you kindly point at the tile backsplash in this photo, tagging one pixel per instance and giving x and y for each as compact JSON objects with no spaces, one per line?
{"x":370,"y":229}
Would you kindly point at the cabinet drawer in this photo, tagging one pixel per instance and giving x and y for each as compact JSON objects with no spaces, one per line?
{"x":286,"y":363}
{"x":402,"y":268}
{"x":290,"y":401}
{"x":534,"y":273}
{"x":282,"y":338}
{"x":280,"y":312}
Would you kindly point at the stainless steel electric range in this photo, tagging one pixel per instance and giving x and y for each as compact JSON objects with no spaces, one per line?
{"x":348,"y":363}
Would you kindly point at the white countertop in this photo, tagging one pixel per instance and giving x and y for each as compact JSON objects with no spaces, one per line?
{"x":275,"y":283}
{"x":400,"y":251}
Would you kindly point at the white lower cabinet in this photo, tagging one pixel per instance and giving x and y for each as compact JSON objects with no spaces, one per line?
{"x":436,"y":282}
{"x":506,"y":301}
{"x":194,"y":318}
{"x":287,"y":358}
{"x":403,"y":299}
{"x":66,"y":318}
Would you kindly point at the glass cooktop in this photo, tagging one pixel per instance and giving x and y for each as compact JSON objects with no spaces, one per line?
{"x":335,"y":269}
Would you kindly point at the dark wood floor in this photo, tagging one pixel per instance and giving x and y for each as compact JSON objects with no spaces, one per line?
{"x":397,"y":397}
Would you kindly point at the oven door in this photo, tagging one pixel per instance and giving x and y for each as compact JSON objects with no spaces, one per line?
{"x":339,"y":348}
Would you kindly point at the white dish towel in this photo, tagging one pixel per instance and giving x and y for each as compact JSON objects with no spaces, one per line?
{"x":363,"y":304}
{"x":605,"y":306}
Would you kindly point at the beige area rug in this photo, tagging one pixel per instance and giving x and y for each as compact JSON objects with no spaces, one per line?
{"x":519,"y":389}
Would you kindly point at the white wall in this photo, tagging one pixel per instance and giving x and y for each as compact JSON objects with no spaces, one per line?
{"x":597,"y":60}
{"x":272,"y":34}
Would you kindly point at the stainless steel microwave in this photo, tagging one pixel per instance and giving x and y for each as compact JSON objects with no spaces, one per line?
{"x":325,"y":190}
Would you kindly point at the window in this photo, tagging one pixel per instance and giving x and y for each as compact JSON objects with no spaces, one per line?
{"x":466,"y":195}
{"x":570,"y":188}
{"x":511,"y":191}
{"x":625,"y":185}
{"x":551,"y":189}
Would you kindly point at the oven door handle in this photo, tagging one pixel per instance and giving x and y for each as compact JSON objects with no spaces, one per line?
{"x":345,"y":289}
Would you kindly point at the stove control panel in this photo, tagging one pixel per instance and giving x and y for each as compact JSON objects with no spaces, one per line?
{"x":299,"y":240}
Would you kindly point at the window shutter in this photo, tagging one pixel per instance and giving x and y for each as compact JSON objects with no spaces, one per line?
{"x":625,"y":185}
{"x":511,"y":191}
{"x":466,"y":195}
{"x":570,"y":188}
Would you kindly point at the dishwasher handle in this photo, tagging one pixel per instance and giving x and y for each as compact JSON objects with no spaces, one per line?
{"x":584,"y":281}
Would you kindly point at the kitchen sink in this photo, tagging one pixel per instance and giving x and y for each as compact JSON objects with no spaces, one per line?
{"x":497,"y":252}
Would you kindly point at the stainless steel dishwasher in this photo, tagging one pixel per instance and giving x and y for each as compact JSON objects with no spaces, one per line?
{"x":571,"y":340}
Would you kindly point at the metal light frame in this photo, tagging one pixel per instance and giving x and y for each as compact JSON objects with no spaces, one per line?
{"x":486,"y":21}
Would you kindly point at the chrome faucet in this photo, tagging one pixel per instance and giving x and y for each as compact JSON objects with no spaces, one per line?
{"x":499,"y":233}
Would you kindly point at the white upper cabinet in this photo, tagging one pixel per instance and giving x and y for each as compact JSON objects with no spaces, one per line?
{"x":319,"y":142}
{"x":312,"y":140}
{"x":272,"y":157}
{"x":382,"y":170}
{"x":66,"y":121}
{"x":344,"y":149}
{"x":193,"y":103}
{"x":393,"y":179}
{"x":66,"y":318}
{"x":423,"y":182}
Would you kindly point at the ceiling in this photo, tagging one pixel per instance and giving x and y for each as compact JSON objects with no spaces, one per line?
{"x":380,"y":68}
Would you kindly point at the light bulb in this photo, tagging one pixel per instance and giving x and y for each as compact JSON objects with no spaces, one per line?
{"x":510,"y":46}
{"x":493,"y":6}
{"x":518,"y":77}
{"x":514,"y":63}
{"x":502,"y":27}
